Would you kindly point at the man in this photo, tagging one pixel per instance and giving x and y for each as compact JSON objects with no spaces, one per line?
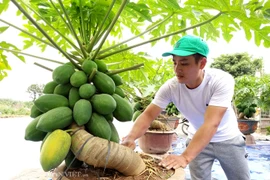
{"x":204,"y":97}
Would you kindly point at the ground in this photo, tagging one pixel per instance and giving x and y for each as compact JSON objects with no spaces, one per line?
{"x":152,"y":172}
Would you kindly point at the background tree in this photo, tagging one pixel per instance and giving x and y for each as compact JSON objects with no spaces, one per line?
{"x":35,"y":90}
{"x":238,"y":64}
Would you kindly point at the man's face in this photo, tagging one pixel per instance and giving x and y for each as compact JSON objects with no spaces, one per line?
{"x":188,"y":71}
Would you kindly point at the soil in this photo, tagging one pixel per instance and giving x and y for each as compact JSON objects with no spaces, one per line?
{"x":152,"y":172}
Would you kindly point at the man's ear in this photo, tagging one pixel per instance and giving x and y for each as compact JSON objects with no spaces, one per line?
{"x":203,"y":62}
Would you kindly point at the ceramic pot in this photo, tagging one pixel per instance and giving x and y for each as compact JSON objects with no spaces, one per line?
{"x":156,"y":142}
{"x":247,"y":126}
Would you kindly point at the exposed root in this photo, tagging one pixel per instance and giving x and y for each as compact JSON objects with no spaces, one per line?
{"x":152,"y":169}
{"x":157,"y":125}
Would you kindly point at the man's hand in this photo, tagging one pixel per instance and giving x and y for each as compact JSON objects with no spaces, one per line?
{"x":128,"y":142}
{"x":173,"y":161}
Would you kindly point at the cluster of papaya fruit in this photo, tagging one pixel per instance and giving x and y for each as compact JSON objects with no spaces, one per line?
{"x":89,"y":97}
{"x":246,"y":110}
{"x":140,"y":104}
{"x":171,"y":109}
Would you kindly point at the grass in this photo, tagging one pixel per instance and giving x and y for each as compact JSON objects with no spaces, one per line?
{"x":10,"y":108}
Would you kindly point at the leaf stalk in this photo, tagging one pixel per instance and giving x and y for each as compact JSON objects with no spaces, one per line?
{"x":38,"y":57}
{"x":123,"y":4}
{"x":43,"y":32}
{"x":146,"y":31}
{"x":97,"y":34}
{"x":161,"y":37}
{"x":126,"y":69}
{"x":72,"y":29}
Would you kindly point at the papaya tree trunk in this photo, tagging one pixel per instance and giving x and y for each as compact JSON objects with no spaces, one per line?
{"x":100,"y":152}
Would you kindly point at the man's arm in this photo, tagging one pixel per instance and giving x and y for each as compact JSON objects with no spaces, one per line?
{"x":200,"y":140}
{"x":141,"y":124}
{"x":202,"y":137}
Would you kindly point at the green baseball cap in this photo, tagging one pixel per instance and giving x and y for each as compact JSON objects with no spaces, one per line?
{"x":189,"y":45}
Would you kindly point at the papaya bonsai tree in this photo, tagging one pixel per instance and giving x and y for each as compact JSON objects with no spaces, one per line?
{"x":251,"y":95}
{"x":92,"y":32}
{"x":251,"y":92}
{"x":246,"y":97}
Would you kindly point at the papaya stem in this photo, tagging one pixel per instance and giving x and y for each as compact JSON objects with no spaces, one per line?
{"x":98,"y":33}
{"x":29,"y":34}
{"x":72,"y":28}
{"x":75,"y":58}
{"x":47,"y":23}
{"x":69,"y":130}
{"x":125,"y":69}
{"x":60,"y":15}
{"x":83,"y":34}
{"x":123,"y":4}
{"x":93,"y":73}
{"x":42,"y":66}
{"x":43,"y":32}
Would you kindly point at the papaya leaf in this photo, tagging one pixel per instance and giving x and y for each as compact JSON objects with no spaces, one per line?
{"x":253,"y":5}
{"x":3,"y":74}
{"x":139,"y":9}
{"x":227,"y":29}
{"x":237,"y":2}
{"x":208,"y":30}
{"x":209,"y":4}
{"x":171,"y":4}
{"x":3,"y":29}
{"x":4,"y":66}
{"x":6,"y":45}
{"x":132,"y":17}
{"x":19,"y":57}
{"x":262,"y":35}
{"x":4,"y":5}
{"x":266,"y":13}
{"x":4,"y":62}
{"x":27,"y":44}
{"x":166,"y":9}
{"x":266,"y":5}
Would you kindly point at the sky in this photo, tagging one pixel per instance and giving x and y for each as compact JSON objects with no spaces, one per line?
{"x":23,"y":74}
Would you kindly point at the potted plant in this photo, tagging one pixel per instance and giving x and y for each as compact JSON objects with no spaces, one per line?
{"x":157,"y":139}
{"x":246,"y":122}
{"x":246,"y":100}
{"x":159,"y":136}
{"x":168,"y":116}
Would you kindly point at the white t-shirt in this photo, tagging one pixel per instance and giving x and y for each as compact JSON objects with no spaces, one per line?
{"x":216,"y":89}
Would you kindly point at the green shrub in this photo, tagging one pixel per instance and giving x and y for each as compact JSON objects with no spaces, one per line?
{"x":268,"y":130}
{"x":10,"y":107}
